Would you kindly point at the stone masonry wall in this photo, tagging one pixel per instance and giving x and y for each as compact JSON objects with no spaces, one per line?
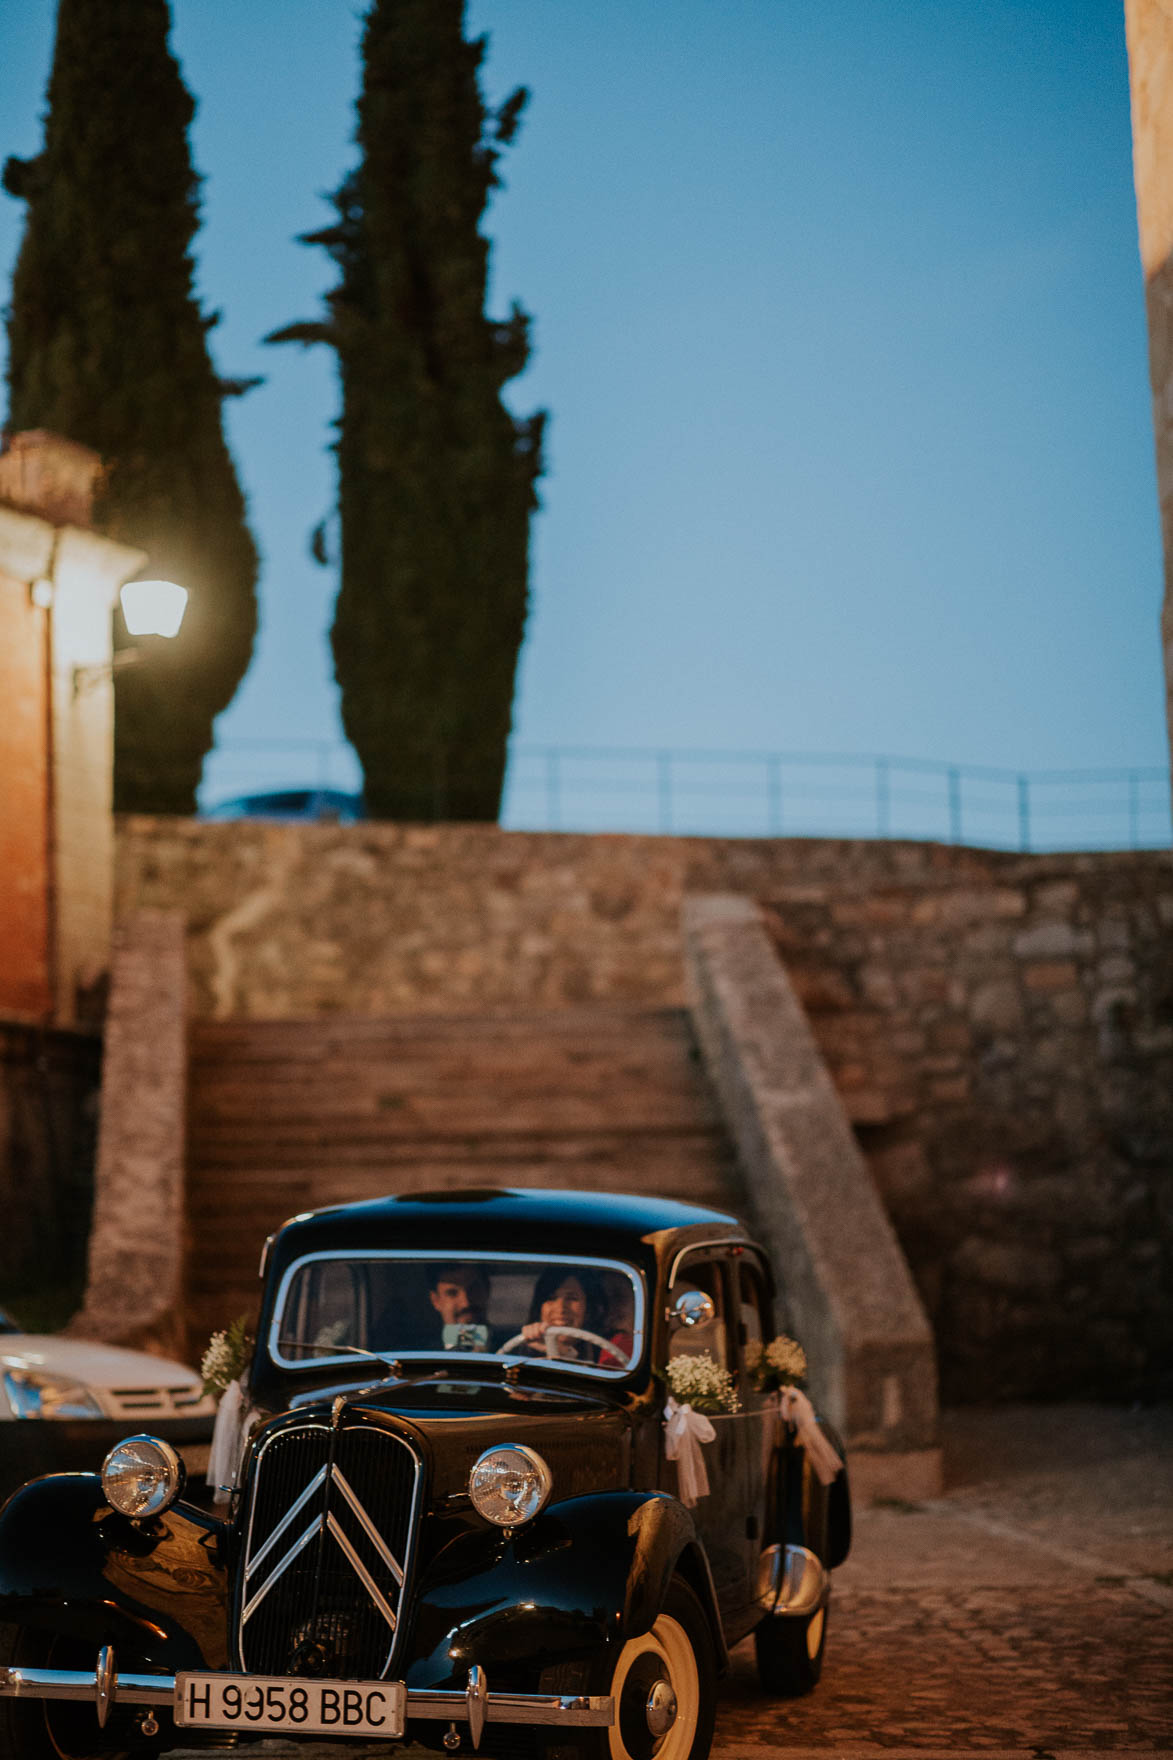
{"x":1005,"y":1053}
{"x":291,"y":921}
{"x":999,"y":1027}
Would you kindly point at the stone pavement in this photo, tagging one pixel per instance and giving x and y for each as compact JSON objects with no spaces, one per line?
{"x":1027,"y":1614}
{"x":1029,"y":1610}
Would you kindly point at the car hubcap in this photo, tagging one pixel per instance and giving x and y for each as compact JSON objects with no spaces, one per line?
{"x":657,"y":1692}
{"x":660,"y":1709}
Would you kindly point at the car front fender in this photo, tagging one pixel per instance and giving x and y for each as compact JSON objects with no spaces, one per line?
{"x":590,"y":1571}
{"x":69,"y":1564}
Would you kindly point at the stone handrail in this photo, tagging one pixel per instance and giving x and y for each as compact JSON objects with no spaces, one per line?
{"x":846,"y":1284}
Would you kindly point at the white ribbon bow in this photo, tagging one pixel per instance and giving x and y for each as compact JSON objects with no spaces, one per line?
{"x":796,"y":1409}
{"x":684,"y":1431}
{"x":233,"y":1423}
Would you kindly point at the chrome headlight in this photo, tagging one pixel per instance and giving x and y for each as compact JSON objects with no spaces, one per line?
{"x":142,"y":1476}
{"x":509,"y":1485}
{"x":34,"y":1393}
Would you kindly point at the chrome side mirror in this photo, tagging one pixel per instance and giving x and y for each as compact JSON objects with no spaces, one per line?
{"x":692,"y":1307}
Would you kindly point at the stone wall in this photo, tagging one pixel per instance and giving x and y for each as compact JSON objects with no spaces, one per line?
{"x":288,"y":921}
{"x":1005,"y":1053}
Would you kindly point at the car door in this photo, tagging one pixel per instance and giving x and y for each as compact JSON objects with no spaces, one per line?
{"x":719,"y":1516}
{"x":752,"y":1305}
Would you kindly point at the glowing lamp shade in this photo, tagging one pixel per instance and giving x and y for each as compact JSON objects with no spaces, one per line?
{"x":153,"y":608}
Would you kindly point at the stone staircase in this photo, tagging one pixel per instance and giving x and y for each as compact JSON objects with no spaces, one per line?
{"x":291,"y":1115}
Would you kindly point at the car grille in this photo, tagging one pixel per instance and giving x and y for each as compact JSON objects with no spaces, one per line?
{"x":156,"y":1402}
{"x":329,"y":1538}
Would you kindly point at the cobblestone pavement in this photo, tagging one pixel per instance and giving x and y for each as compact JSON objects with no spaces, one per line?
{"x":1028,"y":1610}
{"x":998,"y":1668}
{"x":1028,"y":1613}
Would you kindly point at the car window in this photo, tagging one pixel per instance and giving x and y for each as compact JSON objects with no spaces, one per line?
{"x":329,"y":1307}
{"x":709,"y":1335}
{"x":292,"y":800}
{"x":586,"y":1314}
{"x":755,"y":1323}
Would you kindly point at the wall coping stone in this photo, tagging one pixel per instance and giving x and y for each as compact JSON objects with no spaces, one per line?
{"x":134,"y":1290}
{"x":812,"y":1197}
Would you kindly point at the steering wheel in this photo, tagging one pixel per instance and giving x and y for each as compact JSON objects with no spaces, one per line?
{"x":604,"y":1344}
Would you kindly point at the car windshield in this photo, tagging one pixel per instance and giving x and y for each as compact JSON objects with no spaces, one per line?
{"x":586,"y":1314}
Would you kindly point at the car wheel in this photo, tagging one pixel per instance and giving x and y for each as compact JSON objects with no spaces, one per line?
{"x":664,"y":1684}
{"x":790,"y":1653}
{"x":56,"y":1729}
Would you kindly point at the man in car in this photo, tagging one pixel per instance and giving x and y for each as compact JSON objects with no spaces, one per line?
{"x":460,"y":1295}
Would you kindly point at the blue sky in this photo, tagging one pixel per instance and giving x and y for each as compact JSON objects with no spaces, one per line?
{"x":840,"y":321}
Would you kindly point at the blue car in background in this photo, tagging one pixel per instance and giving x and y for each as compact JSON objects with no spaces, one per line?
{"x":332,"y":805}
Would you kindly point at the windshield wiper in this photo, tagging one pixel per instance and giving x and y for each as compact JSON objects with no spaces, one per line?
{"x":390,"y":1362}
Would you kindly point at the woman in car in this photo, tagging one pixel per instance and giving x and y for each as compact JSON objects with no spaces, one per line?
{"x":563,"y":1297}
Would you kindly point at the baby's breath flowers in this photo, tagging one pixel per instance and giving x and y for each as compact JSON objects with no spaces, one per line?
{"x":700,"y":1383}
{"x":227,"y":1357}
{"x":782,"y":1363}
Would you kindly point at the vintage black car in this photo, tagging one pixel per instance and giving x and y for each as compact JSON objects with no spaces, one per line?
{"x":455,"y":1519}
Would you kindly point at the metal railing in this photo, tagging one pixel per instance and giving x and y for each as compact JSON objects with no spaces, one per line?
{"x":765,"y":794}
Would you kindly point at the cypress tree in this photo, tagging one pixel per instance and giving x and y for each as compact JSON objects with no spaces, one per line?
{"x":436,"y":477}
{"x":108,"y":346}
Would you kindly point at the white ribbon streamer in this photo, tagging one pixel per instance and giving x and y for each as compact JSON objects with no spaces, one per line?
{"x":233,"y":1423}
{"x":796,"y":1409}
{"x":684,"y":1431}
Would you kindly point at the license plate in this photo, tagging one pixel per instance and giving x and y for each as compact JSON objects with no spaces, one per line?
{"x":280,"y":1705}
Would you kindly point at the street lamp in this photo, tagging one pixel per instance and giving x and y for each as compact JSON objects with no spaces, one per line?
{"x":153,"y":608}
{"x":150,"y":608}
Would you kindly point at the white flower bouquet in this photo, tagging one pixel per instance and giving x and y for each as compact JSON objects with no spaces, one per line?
{"x":224,"y":1366}
{"x":701,"y":1383}
{"x":227,"y":1357}
{"x":696,"y":1385}
{"x":781,"y":1363}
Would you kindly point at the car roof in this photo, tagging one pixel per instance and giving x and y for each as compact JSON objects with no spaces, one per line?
{"x":289,"y":803}
{"x":504,"y":1217}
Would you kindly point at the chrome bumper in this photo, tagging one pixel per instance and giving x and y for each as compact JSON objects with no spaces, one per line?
{"x":475,"y":1706}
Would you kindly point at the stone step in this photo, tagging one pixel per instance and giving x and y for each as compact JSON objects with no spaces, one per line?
{"x":238,"y":1195}
{"x":221,"y":1165}
{"x":541,"y":1066}
{"x":538,"y":1069}
{"x":443,"y":1060}
{"x":214,"y":1041}
{"x":441,"y":1116}
{"x":226,"y":1183}
{"x":248,"y":1192}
